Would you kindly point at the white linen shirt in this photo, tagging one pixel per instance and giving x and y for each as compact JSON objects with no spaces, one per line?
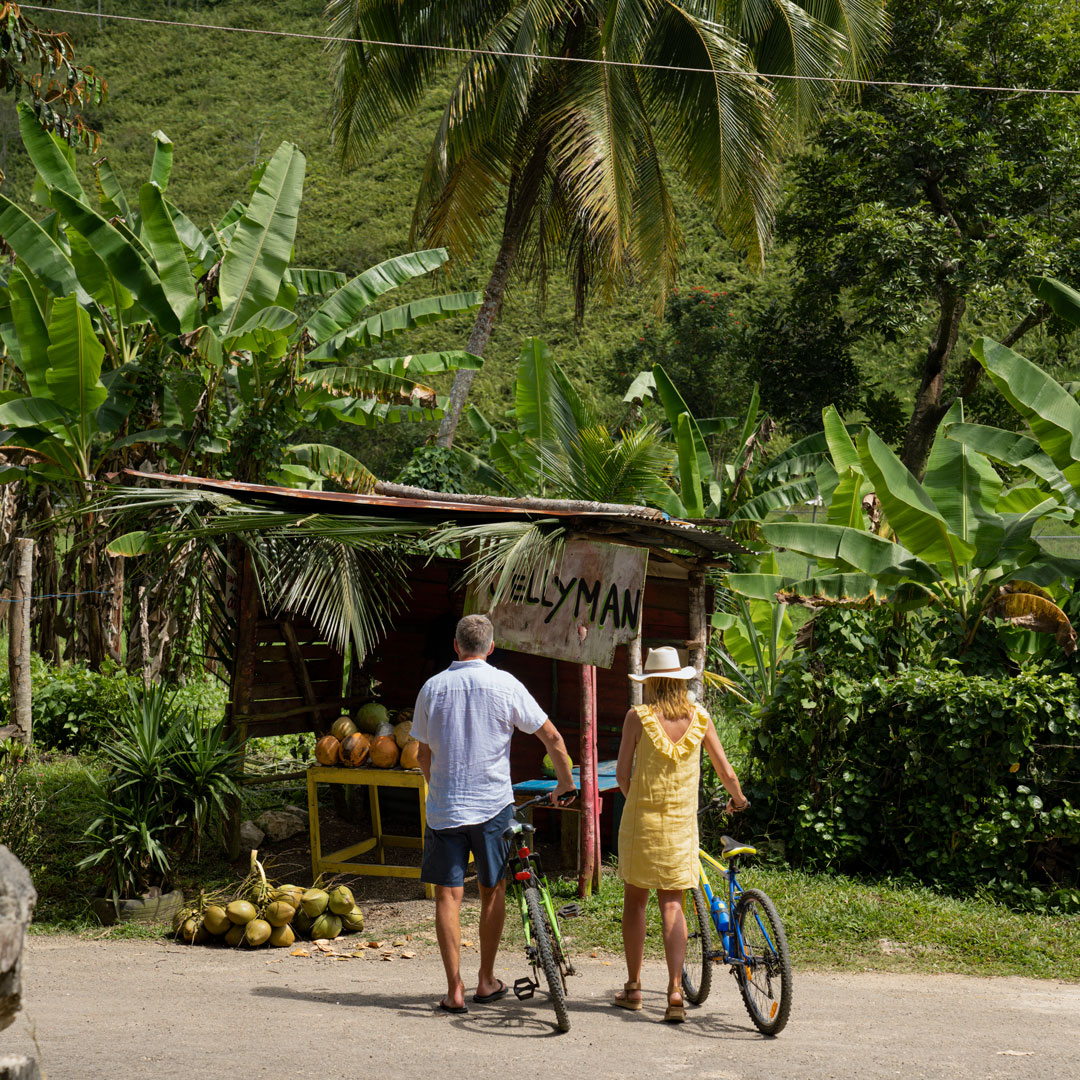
{"x":468,"y":714}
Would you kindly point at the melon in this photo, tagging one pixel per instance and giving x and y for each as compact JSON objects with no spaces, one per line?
{"x":402,"y":732}
{"x":384,"y":752}
{"x":282,"y":936}
{"x":257,"y":932}
{"x":341,"y":900}
{"x":325,"y":926}
{"x":315,"y":901}
{"x":215,"y":919}
{"x":355,"y":749}
{"x":410,"y":755}
{"x":241,"y":912}
{"x":327,"y":750}
{"x":371,"y":716}
{"x":342,"y":727}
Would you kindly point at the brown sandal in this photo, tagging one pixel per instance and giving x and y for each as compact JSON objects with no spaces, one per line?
{"x":675,"y":1014}
{"x":624,"y":1002}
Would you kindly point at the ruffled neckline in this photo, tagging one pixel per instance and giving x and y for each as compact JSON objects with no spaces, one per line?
{"x":661,"y":740}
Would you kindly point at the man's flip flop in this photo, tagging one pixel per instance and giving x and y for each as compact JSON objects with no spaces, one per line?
{"x":487,"y":999}
{"x":457,"y":1010}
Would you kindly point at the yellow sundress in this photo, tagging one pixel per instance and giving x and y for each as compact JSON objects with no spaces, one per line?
{"x":658,"y":836}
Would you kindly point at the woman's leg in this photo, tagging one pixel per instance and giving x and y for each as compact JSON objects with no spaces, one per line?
{"x":674,"y":924}
{"x":633,"y":927}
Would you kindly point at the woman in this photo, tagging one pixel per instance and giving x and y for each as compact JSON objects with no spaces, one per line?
{"x":657,"y":771}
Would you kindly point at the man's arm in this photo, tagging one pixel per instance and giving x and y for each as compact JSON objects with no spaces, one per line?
{"x":556,"y":748}
{"x":423,"y":759}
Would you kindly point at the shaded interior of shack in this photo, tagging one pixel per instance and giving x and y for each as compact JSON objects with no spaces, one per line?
{"x":295,"y":668}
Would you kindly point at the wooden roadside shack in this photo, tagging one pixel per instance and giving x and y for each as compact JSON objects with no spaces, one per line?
{"x":287,"y":678}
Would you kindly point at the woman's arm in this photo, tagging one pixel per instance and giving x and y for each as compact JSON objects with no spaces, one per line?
{"x":631,"y":732}
{"x":738,"y":800}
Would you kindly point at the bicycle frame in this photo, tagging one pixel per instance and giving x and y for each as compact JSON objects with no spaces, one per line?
{"x":732,"y":948}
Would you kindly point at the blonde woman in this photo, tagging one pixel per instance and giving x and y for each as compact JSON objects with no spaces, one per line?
{"x":658,"y":768}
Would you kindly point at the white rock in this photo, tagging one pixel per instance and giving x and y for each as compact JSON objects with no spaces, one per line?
{"x":280,"y":824}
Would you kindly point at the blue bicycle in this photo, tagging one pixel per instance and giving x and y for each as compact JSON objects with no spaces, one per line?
{"x":740,"y":928}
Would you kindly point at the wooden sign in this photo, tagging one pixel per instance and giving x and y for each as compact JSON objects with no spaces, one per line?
{"x":579,"y":612}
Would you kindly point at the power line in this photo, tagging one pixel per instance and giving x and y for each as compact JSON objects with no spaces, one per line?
{"x":327,"y":38}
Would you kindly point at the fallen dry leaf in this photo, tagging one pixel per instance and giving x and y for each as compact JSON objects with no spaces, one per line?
{"x":408,"y":937}
{"x":605,"y":963}
{"x":466,"y":944}
{"x":594,"y":953}
{"x":398,"y":944}
{"x":320,"y":941}
{"x":325,"y":948}
{"x":407,"y":955}
{"x":374,"y":944}
{"x":299,"y":952}
{"x":387,"y":957}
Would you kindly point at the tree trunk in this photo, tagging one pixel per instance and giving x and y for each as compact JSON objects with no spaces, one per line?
{"x":48,"y":583}
{"x":22,"y":577}
{"x":929,"y":409}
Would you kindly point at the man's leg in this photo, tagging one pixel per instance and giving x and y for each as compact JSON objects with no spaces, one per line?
{"x":492,"y":918}
{"x":448,"y":932}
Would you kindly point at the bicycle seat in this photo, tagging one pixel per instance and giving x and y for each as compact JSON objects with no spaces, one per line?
{"x":517,"y":828}
{"x":733,"y":847}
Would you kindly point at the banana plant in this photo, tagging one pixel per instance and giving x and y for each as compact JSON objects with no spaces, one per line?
{"x":957,"y":540}
{"x":744,"y":487}
{"x":218,"y":310}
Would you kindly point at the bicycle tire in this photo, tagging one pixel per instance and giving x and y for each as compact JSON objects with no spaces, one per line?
{"x":764,"y":972}
{"x":545,"y":957}
{"x":698,"y":965}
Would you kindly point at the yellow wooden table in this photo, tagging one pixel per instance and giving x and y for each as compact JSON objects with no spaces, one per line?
{"x":340,"y":862}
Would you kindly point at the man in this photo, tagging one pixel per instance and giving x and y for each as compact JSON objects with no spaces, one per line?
{"x":464,"y":720}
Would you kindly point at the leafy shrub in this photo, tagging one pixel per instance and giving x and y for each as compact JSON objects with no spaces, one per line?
{"x":435,"y":468}
{"x":75,"y":709}
{"x":964,"y":780}
{"x":21,"y":803}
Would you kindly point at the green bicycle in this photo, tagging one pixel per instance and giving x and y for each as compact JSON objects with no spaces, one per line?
{"x":750,"y":939}
{"x":544,"y":945}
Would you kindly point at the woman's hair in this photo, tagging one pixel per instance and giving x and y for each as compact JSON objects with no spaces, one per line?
{"x":669,"y":697}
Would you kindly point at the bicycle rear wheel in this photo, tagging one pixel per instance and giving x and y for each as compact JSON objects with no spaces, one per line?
{"x":764,"y":971}
{"x":698,"y":965}
{"x":545,"y":957}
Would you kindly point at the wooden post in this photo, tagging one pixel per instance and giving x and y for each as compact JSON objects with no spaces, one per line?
{"x":699,"y":631}
{"x":633,"y":655}
{"x":19,"y":639}
{"x":595,"y":778}
{"x":587,"y":775}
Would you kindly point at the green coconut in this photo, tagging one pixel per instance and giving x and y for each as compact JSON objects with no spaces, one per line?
{"x":314,"y":902}
{"x":341,"y":900}
{"x":215,"y":919}
{"x":342,"y":727}
{"x":291,"y":894}
{"x":257,"y":932}
{"x":371,"y":716}
{"x":189,"y":927}
{"x":282,"y":936}
{"x":279,"y":913}
{"x":235,"y":935}
{"x":353,"y":920}
{"x":302,"y":922}
{"x":325,"y":926}
{"x":241,"y":912}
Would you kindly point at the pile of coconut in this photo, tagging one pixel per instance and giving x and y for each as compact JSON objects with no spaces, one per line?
{"x":370,"y":738}
{"x":264,"y":914}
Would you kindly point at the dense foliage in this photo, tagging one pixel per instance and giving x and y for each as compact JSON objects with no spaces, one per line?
{"x":966,"y":781}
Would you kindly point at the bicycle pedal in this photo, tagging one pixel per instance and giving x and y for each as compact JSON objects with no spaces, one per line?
{"x":569,"y":911}
{"x":524,"y":988}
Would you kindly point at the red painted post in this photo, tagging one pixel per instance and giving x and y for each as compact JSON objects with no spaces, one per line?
{"x":597,"y":804}
{"x":587,"y":769}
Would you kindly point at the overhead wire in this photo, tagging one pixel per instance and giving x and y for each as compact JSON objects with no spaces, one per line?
{"x":501,"y":54}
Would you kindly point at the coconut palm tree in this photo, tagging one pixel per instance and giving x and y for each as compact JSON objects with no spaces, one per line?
{"x":566,"y":116}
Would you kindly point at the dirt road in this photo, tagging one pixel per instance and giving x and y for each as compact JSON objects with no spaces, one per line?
{"x":129,"y":1010}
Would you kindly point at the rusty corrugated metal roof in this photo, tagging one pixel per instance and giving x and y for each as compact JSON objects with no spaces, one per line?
{"x":640,"y":525}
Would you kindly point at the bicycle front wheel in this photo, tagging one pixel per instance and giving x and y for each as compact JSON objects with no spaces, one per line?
{"x":545,"y":957}
{"x":764,"y":970}
{"x":698,"y":965}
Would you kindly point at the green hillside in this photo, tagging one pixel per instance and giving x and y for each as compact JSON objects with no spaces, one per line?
{"x":228,"y":99}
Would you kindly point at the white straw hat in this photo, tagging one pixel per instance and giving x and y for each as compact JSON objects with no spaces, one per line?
{"x":663,"y":663}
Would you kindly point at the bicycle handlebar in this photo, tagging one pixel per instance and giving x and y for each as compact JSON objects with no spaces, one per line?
{"x":716,"y":802}
{"x":565,"y":799}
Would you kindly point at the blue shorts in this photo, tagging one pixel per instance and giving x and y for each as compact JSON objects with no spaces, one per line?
{"x":446,"y":851}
